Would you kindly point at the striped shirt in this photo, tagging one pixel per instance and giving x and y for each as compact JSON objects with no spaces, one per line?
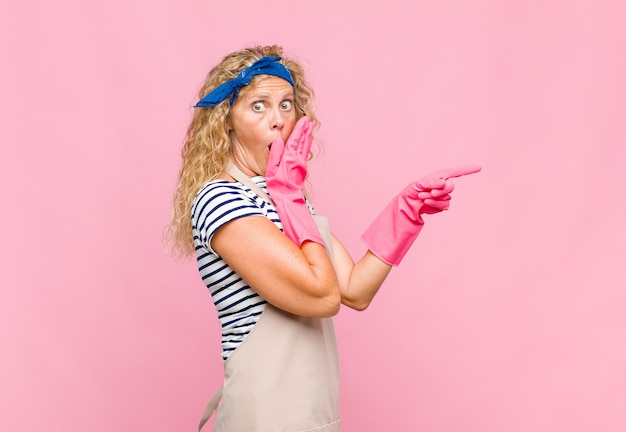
{"x":238,"y":305}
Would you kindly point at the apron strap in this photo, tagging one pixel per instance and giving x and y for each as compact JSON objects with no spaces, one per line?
{"x":237,"y":174}
{"x":210,"y":408}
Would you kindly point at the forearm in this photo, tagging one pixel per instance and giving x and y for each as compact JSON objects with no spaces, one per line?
{"x":321,"y":277}
{"x":301,"y":280}
{"x":367,"y":276}
{"x":358,"y":282}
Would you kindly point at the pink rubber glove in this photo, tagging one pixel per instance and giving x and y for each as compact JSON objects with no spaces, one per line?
{"x":392,"y":233}
{"x":285,"y":175}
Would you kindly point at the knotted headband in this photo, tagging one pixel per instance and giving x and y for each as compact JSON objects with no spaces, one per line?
{"x":263,"y":66}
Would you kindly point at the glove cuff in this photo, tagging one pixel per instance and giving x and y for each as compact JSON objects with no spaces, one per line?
{"x":297,"y":222}
{"x":393,"y":232}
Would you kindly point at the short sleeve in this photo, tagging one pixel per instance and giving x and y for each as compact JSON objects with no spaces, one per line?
{"x":215,"y":205}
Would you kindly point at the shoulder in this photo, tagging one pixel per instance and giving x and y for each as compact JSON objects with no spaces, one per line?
{"x":219,"y":193}
{"x":221,"y":201}
{"x":217,"y":189}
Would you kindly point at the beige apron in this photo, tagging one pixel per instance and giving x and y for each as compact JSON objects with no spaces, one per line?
{"x":284,"y":377}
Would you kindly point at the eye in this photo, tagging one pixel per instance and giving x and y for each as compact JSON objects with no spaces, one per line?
{"x":286,"y":105}
{"x":258,"y":106}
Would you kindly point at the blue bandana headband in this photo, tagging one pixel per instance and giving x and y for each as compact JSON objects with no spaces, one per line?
{"x":263,"y":66}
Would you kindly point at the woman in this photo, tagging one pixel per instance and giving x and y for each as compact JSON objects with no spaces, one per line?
{"x":275,"y":272}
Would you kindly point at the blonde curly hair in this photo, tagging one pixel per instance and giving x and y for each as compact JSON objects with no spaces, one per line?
{"x":207,"y":147}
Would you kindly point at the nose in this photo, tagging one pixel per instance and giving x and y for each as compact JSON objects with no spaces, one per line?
{"x":277,"y":120}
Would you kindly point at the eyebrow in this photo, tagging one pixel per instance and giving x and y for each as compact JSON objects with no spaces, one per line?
{"x":264,"y":95}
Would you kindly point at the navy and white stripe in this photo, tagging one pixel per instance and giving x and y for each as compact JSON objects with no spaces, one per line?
{"x":238,"y":305}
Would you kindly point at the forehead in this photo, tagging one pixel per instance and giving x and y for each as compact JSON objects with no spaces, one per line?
{"x":267,"y":84}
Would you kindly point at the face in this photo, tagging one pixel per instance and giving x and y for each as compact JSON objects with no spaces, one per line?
{"x":262,"y":112}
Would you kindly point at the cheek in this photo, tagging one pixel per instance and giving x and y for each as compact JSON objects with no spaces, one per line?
{"x":246,"y":130}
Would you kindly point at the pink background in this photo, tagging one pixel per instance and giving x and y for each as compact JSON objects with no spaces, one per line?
{"x":506,"y":315}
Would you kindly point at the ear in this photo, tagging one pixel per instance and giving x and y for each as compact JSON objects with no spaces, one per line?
{"x":229,"y":121}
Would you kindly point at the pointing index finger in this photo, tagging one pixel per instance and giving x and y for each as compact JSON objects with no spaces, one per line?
{"x":457,"y":171}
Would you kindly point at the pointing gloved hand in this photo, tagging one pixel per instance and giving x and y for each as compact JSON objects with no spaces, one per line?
{"x":392,"y":233}
{"x":285,"y":175}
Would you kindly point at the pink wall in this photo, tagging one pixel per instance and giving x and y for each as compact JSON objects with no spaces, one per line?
{"x":508,"y":313}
